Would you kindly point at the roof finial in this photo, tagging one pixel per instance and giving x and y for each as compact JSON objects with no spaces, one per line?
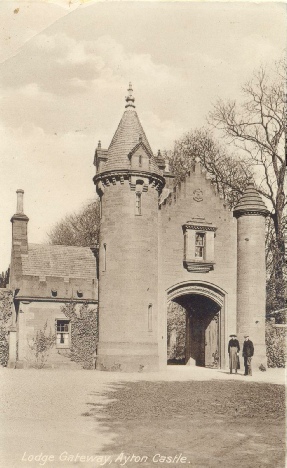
{"x":130,"y":99}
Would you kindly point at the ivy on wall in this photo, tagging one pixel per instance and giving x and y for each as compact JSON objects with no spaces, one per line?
{"x":6,"y":301}
{"x":275,"y":345}
{"x":84,"y":333}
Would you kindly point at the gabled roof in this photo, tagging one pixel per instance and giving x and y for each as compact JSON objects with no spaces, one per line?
{"x":59,"y":261}
{"x":140,"y":145}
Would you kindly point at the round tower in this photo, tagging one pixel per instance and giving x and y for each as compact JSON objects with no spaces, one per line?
{"x":251,"y":271}
{"x":128,"y":182}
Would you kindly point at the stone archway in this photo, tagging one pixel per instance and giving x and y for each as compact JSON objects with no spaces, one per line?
{"x":205,"y":305}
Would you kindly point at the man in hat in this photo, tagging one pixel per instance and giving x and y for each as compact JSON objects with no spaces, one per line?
{"x":233,"y":350}
{"x":247,"y":353}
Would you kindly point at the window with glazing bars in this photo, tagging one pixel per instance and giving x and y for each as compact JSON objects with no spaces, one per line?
{"x":63,"y":332}
{"x":199,"y":244}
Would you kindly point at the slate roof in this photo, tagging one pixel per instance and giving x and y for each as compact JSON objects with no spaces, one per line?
{"x":250,"y":201}
{"x":59,"y":261}
{"x":124,"y":141}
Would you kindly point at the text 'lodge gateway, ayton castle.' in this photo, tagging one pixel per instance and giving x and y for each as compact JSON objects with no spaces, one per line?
{"x":158,"y":243}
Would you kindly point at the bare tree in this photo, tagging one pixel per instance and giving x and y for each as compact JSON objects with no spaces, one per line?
{"x":257,"y":126}
{"x":80,"y":229}
{"x":227,"y":172}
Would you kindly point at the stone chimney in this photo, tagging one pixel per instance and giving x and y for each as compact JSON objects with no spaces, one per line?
{"x":19,"y":240}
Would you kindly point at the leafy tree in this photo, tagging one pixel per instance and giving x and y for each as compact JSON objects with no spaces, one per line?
{"x":257,"y":126}
{"x":79,"y":229}
{"x":4,"y":278}
{"x":176,"y":327}
{"x":228,"y":174}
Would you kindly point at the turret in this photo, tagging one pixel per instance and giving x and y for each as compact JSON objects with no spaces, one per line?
{"x":128,"y":182}
{"x":251,"y":271}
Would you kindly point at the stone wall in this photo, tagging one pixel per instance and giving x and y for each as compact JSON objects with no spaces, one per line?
{"x":32,"y":317}
{"x":196,"y":198}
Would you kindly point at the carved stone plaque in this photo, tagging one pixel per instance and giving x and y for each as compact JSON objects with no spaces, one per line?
{"x":198,"y":195}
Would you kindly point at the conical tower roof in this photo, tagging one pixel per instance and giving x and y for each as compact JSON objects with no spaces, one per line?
{"x":128,"y":135}
{"x":250,"y":201}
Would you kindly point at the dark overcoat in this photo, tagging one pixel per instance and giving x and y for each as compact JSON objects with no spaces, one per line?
{"x":248,"y":349}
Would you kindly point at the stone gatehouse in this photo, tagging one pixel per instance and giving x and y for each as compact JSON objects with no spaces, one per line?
{"x":158,"y":243}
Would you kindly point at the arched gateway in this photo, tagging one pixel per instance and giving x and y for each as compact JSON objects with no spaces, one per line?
{"x":206,"y":311}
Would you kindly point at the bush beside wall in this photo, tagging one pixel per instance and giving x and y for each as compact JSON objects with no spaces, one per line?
{"x":6,"y":302}
{"x":275,"y":345}
{"x":84,"y":333}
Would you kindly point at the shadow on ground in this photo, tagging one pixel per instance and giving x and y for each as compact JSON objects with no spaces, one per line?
{"x":195,"y":423}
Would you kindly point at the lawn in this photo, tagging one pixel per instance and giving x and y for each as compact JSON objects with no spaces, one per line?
{"x":202,"y":424}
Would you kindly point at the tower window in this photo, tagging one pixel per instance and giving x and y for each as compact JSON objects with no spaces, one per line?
{"x":105,"y":258}
{"x":140,"y":160}
{"x":138,"y":204}
{"x":199,"y":244}
{"x":150,"y":317}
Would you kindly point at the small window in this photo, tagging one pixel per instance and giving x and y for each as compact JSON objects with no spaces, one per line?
{"x":140,"y":160}
{"x":105,"y":257}
{"x":63,"y":334}
{"x":138,"y":204}
{"x":199,"y":245}
{"x":150,"y":317}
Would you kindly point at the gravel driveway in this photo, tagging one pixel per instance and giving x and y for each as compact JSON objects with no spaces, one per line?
{"x":70,"y":418}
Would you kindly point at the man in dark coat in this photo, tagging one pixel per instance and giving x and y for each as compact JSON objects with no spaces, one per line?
{"x":247,"y":353}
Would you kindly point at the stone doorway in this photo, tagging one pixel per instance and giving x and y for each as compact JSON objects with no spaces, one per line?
{"x":196,"y":327}
{"x":202,"y":332}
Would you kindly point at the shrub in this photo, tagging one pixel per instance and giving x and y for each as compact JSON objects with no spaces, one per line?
{"x":6,"y":303}
{"x":40,"y":347}
{"x":275,"y":345}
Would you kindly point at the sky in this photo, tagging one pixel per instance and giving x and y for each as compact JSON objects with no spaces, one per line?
{"x":64,"y":74}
